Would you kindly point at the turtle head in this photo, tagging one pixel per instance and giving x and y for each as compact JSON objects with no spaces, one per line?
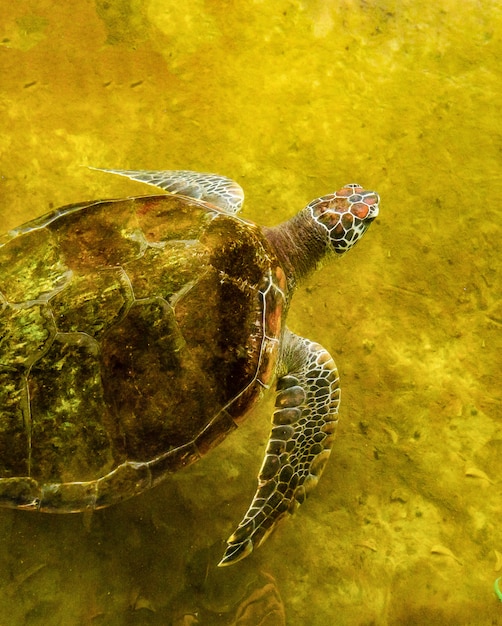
{"x":345,"y":214}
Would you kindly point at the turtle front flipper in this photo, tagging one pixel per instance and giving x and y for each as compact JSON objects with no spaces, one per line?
{"x":221,"y":191}
{"x":304,"y":423}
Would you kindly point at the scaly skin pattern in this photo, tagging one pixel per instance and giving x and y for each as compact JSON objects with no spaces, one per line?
{"x":303,"y":429}
{"x":212,"y":188}
{"x":345,"y":215}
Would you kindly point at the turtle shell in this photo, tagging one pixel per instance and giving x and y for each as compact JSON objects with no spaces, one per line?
{"x":134,"y":336}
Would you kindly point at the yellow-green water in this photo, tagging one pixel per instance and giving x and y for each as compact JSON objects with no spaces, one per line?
{"x":293,"y":99}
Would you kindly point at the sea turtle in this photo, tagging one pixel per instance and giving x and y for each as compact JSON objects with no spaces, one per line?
{"x":136,"y":334}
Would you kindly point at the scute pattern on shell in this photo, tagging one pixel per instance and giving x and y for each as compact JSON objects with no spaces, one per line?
{"x":135,"y":334}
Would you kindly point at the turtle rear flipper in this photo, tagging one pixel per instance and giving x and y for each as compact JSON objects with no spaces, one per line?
{"x":304,"y":423}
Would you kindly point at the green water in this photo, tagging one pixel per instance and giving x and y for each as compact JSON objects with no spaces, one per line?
{"x":292,"y":99}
